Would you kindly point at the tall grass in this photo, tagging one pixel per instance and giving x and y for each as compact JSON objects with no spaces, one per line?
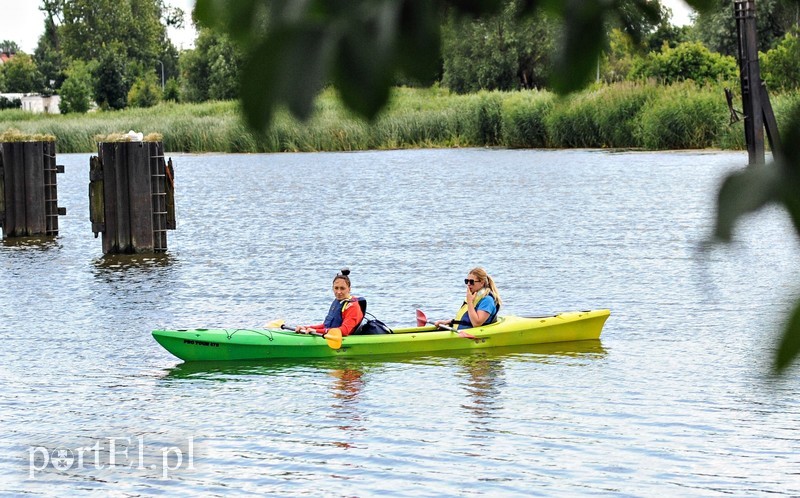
{"x":642,"y":115}
{"x":684,"y":116}
{"x":525,"y":119}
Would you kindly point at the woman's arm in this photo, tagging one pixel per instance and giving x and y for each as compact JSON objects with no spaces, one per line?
{"x":351,"y":318}
{"x":479,"y":315}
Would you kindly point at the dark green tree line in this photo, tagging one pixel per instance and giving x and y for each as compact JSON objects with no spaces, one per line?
{"x":716,"y":27}
{"x":123,"y":41}
{"x":211,"y":70}
{"x":499,"y":52}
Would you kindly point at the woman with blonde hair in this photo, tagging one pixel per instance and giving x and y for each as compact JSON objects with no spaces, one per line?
{"x":481,"y":304}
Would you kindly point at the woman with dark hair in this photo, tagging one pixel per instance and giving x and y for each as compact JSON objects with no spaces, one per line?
{"x":346,"y":312}
{"x":481,"y":303}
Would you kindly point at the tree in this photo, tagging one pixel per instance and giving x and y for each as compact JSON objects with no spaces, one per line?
{"x":6,"y":103}
{"x":9,"y":47}
{"x":110,"y":82}
{"x":48,"y":57}
{"x":620,"y":57}
{"x":500,"y":52}
{"x":172,"y":90}
{"x":779,"y":66}
{"x":223,"y":72}
{"x":687,"y":61}
{"x":145,"y":92}
{"x":134,"y":30}
{"x":211,"y":70}
{"x":666,"y":33}
{"x":21,"y":74}
{"x":194,"y":75}
{"x":76,"y":91}
{"x":716,"y":28}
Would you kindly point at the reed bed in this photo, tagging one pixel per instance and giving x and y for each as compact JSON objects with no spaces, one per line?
{"x":623,"y":115}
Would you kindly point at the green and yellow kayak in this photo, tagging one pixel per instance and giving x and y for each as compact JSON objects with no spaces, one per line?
{"x":260,"y":344}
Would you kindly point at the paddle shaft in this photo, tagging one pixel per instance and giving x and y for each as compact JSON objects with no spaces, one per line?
{"x":333,"y":336}
{"x":422,"y":319}
{"x":294,"y":329}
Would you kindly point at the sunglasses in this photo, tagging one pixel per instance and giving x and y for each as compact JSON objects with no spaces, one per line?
{"x":470,"y":281}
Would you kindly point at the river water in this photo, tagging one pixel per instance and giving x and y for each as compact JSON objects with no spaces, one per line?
{"x":675,"y":399}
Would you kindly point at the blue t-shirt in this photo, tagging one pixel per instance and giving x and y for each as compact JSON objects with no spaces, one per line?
{"x":486,"y":304}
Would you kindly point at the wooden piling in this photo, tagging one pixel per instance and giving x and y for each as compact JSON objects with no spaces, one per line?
{"x":28,"y":188}
{"x":131,"y":196}
{"x":756,"y":106}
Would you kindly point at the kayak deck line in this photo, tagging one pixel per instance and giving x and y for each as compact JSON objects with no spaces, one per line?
{"x":209,"y":344}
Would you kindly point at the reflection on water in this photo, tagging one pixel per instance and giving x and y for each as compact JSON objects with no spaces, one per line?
{"x":225,"y":370}
{"x":347,"y":386}
{"x":122,"y":262}
{"x":483,"y":381}
{"x":348,"y":373}
{"x":30,"y":243}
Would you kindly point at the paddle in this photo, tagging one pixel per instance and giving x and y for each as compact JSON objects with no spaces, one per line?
{"x":333,"y":337}
{"x":422,"y":320}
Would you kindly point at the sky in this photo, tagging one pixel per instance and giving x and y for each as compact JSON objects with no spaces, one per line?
{"x":21,"y":21}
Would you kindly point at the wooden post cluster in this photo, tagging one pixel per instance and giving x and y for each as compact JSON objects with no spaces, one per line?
{"x":755,"y":99}
{"x":131,"y":196}
{"x":28,"y":189}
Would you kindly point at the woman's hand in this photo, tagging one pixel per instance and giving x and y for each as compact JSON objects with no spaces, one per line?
{"x":470,"y":297}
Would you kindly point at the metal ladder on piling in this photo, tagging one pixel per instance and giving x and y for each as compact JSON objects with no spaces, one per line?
{"x":51,"y":210}
{"x":158,"y":178}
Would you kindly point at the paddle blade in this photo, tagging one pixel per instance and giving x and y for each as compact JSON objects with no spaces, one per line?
{"x":274,"y":324}
{"x":421,"y":319}
{"x":334,"y":338}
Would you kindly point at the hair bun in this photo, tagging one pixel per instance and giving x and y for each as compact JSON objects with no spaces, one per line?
{"x":345,"y":272}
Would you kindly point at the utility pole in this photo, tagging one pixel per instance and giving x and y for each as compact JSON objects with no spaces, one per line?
{"x":756,"y":106}
{"x":162,"y":75}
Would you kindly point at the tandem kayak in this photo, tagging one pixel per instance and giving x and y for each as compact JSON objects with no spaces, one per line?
{"x":261,"y":344}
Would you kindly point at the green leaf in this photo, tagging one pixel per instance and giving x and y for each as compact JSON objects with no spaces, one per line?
{"x":419,"y":40}
{"x":703,"y":5}
{"x":242,"y":20}
{"x":630,"y":13}
{"x":583,"y":41}
{"x":789,"y":344}
{"x":478,"y":7}
{"x":366,"y":60}
{"x":271,"y":74}
{"x":744,"y":192}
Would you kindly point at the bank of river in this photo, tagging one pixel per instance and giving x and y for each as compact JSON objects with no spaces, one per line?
{"x":624,"y":115}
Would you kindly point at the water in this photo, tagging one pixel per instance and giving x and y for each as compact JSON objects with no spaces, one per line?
{"x":674,"y":399}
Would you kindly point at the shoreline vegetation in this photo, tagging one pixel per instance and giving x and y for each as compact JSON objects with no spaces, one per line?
{"x":626,"y":115}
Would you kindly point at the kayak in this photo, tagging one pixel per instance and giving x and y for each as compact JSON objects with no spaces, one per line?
{"x":268,"y":343}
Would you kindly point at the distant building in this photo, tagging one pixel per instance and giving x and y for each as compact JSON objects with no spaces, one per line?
{"x":4,"y":56}
{"x":32,"y":102}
